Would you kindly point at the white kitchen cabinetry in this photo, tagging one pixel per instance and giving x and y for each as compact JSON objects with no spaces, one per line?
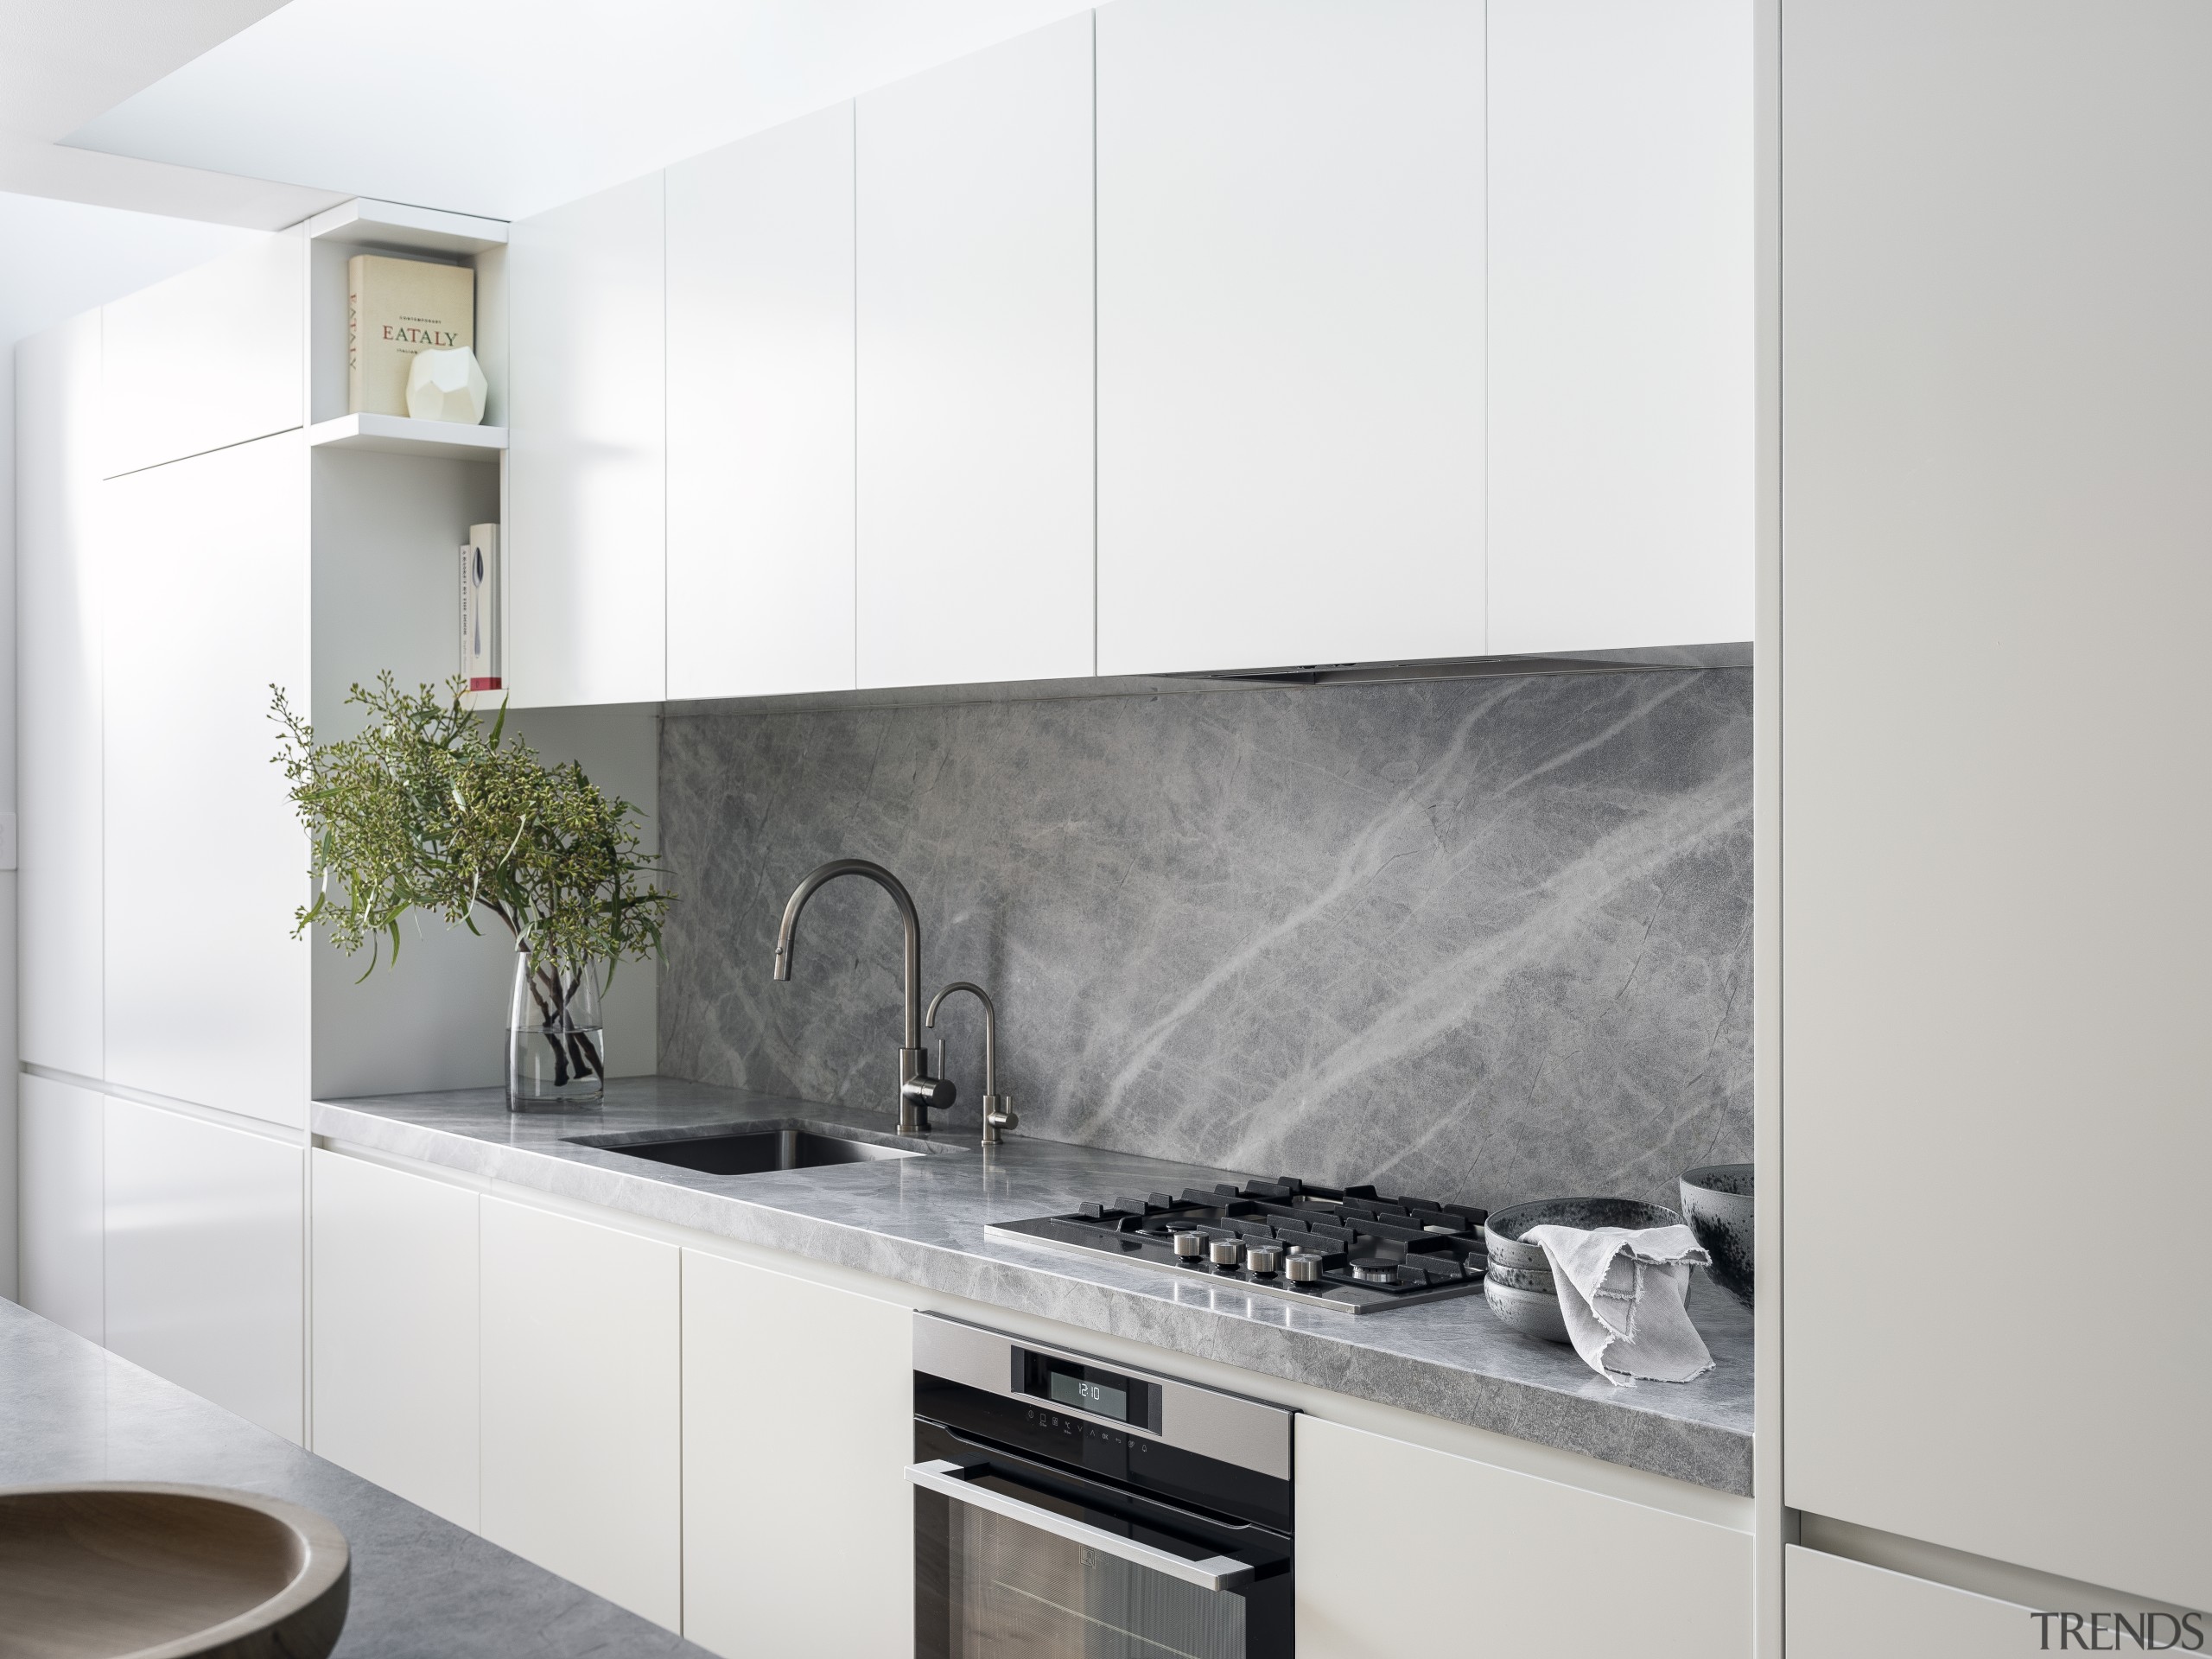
{"x":579,"y":1408}
{"x":1524,"y":1565}
{"x":1841,"y":1609}
{"x":210,"y":357}
{"x":204,"y":1235}
{"x":395,"y":1360}
{"x":976,"y":346}
{"x":799,"y":1424}
{"x":58,"y":688}
{"x":1621,"y":412}
{"x":1290,"y":333}
{"x":586,"y":474}
{"x":760,"y":413}
{"x":205,"y":606}
{"x":61,"y":1215}
{"x":1993,"y":900}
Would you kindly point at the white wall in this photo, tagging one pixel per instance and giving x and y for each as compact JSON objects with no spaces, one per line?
{"x":57,"y":258}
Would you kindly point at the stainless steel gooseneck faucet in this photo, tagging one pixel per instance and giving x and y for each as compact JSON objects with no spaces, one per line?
{"x":998,"y":1108}
{"x":917,"y":1090}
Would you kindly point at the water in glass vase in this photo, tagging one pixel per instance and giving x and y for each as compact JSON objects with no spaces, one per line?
{"x":555,"y":1035}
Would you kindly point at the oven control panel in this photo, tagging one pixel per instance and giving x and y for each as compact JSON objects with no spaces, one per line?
{"x":1091,"y":1389}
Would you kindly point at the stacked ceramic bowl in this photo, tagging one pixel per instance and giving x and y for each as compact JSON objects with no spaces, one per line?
{"x":1717,"y":1198}
{"x":1518,"y":1283}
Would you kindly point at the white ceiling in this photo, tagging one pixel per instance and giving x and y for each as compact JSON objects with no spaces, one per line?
{"x":504,"y":107}
{"x":64,"y":61}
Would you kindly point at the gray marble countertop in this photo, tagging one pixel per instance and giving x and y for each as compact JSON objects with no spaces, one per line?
{"x":421,"y":1586}
{"x":921,"y":1220}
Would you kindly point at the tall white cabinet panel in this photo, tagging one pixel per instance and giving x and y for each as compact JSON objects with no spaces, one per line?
{"x":587,"y":473}
{"x":760,"y":413}
{"x":1839,"y":1609}
{"x":60,"y":1212}
{"x":976,"y":344}
{"x":579,"y":1416}
{"x":1527,"y":1564}
{"x":205,"y":607}
{"x":394,"y":1365}
{"x":209,"y":357}
{"x":204,"y":1238}
{"x":57,"y":693}
{"x":1993,"y":894}
{"x":1290,"y":333}
{"x":1621,"y":440}
{"x":799,"y":1424}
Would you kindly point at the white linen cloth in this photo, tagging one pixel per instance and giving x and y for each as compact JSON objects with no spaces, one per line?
{"x":1621,"y":1290}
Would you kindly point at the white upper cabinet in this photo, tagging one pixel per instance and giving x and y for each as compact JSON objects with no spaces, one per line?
{"x":587,"y":480}
{"x":58,"y":682}
{"x":1290,"y":333}
{"x":213,"y":356}
{"x":760,"y":413}
{"x":976,"y":342}
{"x":205,"y":606}
{"x":1621,"y":438}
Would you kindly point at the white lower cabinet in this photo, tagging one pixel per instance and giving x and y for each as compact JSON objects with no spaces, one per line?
{"x":798,"y":1417}
{"x":578,"y":1404}
{"x":394,"y":1362}
{"x":1516,"y":1563}
{"x":59,"y":1158}
{"x":1841,"y":1609}
{"x":204,"y":1240}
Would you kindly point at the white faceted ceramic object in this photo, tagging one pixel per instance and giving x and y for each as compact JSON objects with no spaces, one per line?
{"x":446,"y":386}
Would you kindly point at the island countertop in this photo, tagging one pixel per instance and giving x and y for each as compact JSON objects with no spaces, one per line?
{"x":921,"y":1220}
{"x":421,"y":1585}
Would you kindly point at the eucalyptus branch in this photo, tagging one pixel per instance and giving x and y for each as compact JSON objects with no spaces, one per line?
{"x":429,"y":809}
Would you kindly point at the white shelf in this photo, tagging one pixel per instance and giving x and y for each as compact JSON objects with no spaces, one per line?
{"x":399,"y":435}
{"x":417,"y":230}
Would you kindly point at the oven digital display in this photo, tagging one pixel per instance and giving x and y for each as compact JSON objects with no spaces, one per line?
{"x":1091,"y":1392}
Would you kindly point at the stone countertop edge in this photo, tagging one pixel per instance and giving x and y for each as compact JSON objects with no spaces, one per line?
{"x":919,"y":1221}
{"x":421,"y":1585}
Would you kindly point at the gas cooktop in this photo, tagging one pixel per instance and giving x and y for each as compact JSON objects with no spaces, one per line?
{"x":1343,"y":1248}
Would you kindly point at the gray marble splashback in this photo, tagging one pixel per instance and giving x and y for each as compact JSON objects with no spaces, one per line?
{"x":1484,"y":940}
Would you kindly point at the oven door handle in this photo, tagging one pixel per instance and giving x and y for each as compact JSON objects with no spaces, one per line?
{"x":948,"y":1480}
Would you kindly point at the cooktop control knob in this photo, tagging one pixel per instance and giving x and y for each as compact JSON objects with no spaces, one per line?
{"x":1375,"y":1273}
{"x":1304,"y":1268}
{"x":1223,"y":1252}
{"x":1264,"y":1260}
{"x":1188,"y":1246}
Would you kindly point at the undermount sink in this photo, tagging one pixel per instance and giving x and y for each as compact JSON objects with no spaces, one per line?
{"x":756,"y":1149}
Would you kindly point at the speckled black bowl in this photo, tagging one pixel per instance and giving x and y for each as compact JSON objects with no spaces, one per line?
{"x":1717,"y":1198}
{"x":1536,"y":1280}
{"x":1502,"y":1233}
{"x":1532,"y":1312}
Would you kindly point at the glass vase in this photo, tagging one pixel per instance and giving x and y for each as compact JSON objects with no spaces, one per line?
{"x":556,"y":1036}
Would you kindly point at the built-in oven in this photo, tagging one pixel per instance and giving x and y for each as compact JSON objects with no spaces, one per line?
{"x":1065,"y":1508}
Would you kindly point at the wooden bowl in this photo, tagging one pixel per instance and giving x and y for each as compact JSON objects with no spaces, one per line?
{"x":97,"y":1569}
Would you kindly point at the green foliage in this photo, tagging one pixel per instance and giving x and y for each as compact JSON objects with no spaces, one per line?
{"x":430,"y":809}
